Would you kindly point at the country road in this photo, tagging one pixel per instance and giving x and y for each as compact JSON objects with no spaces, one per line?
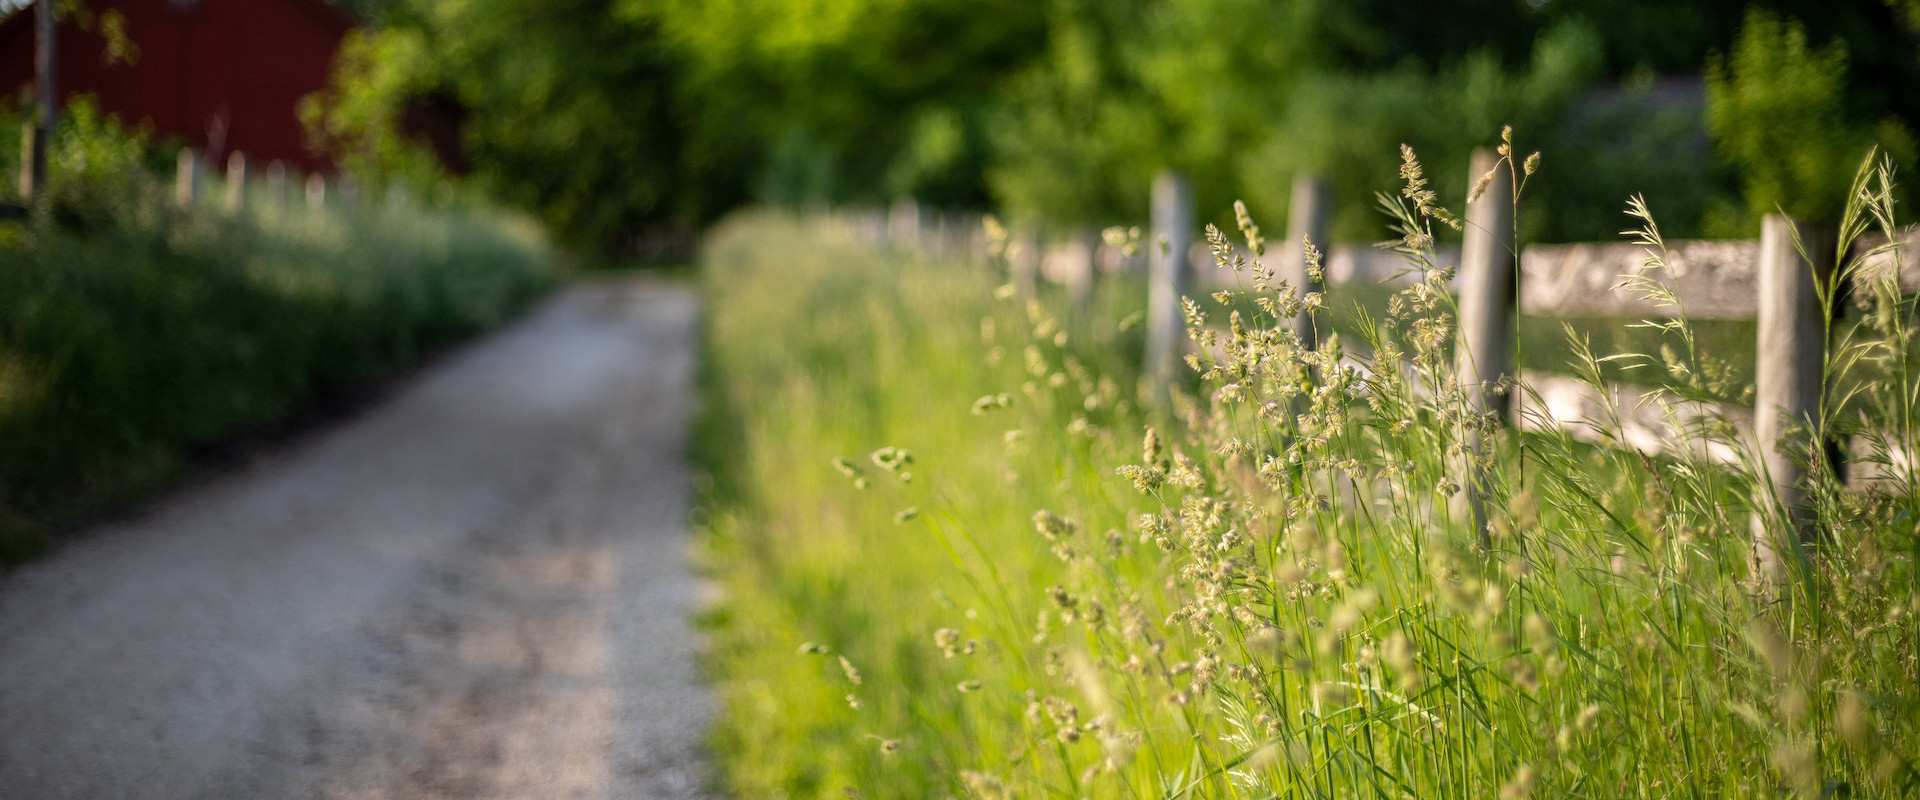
{"x":477,"y":588}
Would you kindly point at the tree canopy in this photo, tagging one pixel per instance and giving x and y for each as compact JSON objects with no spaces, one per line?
{"x":617,"y":120}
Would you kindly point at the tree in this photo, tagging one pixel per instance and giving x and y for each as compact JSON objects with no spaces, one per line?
{"x":853,"y":100}
{"x":568,"y":108}
{"x":1244,"y":94}
{"x":616,"y":120}
{"x":1778,"y":110}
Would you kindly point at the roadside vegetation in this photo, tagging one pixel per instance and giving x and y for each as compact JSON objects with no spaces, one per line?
{"x":135,"y":333}
{"x":959,"y":562}
{"x":1056,"y":113}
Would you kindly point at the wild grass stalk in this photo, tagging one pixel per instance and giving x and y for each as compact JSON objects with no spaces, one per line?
{"x":1269,"y":594}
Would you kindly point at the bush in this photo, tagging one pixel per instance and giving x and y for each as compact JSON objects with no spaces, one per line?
{"x":1776,"y":109}
{"x":133,"y":332}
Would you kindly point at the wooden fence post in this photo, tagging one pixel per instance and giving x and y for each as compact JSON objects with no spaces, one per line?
{"x":1023,"y":260}
{"x":955,"y":240}
{"x":1173,"y":221}
{"x":277,"y":182}
{"x":187,"y":176}
{"x":1309,"y":218}
{"x":1486,"y":285}
{"x":979,"y":247}
{"x":1787,"y":377}
{"x":962,"y":229}
{"x":29,"y":139}
{"x":236,"y":181}
{"x":930,"y":229}
{"x":1083,"y":270}
{"x":46,"y":113}
{"x":316,"y":191}
{"x":903,"y":225}
{"x":1484,"y":345}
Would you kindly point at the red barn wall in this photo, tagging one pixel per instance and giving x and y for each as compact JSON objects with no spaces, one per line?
{"x":203,"y":65}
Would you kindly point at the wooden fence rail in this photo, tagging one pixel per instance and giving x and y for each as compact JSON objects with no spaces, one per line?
{"x":1766,"y":280}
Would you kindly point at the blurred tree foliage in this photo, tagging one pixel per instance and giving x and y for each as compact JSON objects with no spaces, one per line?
{"x":621,"y":120}
{"x":841,"y":100}
{"x":1244,"y":94}
{"x":1779,"y":112}
{"x":569,"y":108}
{"x":618,"y":119}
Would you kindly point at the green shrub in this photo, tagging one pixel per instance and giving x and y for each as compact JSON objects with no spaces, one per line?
{"x":133,"y":332}
{"x":1776,"y":109}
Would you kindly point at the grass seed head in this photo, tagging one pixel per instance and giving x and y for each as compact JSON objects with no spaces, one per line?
{"x":1521,"y":785}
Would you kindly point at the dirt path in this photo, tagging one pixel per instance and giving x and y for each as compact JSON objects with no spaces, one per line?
{"x":477,"y":589}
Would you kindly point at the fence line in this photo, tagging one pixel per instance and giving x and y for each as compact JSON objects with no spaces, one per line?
{"x":238,"y":180}
{"x":1763,"y":279}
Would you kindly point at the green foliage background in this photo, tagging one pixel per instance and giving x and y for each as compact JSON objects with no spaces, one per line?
{"x":1780,"y":114}
{"x":620,"y":121}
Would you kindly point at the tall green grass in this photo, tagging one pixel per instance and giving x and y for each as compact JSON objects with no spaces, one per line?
{"x":133,"y":332}
{"x":958,"y":562}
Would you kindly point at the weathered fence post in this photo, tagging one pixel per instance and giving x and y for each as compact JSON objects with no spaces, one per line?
{"x":903,"y":225}
{"x":1486,"y":286}
{"x":29,"y":139}
{"x":316,"y":191}
{"x":1787,"y":376}
{"x":962,"y":229}
{"x":187,"y":176}
{"x":46,"y":113}
{"x":1309,"y":218}
{"x":944,"y":227}
{"x":933,"y":230}
{"x":980,"y":246}
{"x":1484,"y":346}
{"x":1173,"y":221}
{"x":277,"y":182}
{"x":236,"y":181}
{"x":1083,"y":269}
{"x":1023,"y":260}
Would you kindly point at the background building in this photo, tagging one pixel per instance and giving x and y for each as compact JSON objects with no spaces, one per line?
{"x":220,"y":75}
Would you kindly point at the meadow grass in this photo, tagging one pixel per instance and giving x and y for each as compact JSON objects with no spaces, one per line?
{"x":133,"y":333}
{"x":959,"y":562}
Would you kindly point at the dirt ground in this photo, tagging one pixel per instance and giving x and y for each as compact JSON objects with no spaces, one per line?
{"x":478,"y":588}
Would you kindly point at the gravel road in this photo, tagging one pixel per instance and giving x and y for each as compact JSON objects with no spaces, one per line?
{"x":475,"y":589}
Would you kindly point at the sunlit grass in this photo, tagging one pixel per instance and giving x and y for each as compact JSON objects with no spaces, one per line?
{"x":1268,"y":593}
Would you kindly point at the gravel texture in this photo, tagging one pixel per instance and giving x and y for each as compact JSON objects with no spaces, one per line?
{"x":477,"y":588}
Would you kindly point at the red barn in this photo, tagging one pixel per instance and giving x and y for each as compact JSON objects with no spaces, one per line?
{"x":221,"y":75}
